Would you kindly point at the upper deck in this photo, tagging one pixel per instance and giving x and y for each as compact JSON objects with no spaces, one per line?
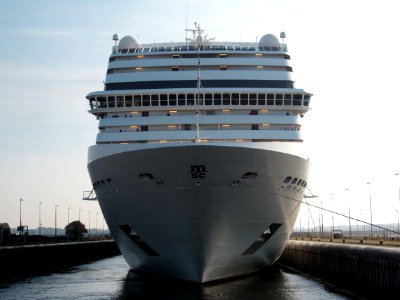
{"x":199,"y":90}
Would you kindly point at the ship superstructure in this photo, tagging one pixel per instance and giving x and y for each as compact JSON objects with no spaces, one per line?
{"x":198,"y":164}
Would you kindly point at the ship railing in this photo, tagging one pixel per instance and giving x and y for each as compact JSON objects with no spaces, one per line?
{"x":151,"y":48}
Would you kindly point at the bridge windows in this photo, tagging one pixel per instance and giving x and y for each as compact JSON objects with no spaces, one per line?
{"x":266,"y":100}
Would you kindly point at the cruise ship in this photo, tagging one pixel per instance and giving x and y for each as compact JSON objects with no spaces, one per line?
{"x":199,"y":166}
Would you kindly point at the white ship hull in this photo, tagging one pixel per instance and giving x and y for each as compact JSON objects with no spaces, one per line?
{"x":198,"y":212}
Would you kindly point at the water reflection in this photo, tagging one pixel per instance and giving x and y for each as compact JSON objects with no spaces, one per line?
{"x":111,"y":279}
{"x":273,"y":283}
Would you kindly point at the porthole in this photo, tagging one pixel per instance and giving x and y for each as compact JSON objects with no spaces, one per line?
{"x":294,"y":181}
{"x":287,"y":179}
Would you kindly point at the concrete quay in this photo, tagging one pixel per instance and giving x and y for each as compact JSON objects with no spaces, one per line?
{"x":21,"y":261}
{"x":369,"y":271}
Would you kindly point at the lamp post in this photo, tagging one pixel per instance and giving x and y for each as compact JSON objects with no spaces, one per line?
{"x":103,"y":227}
{"x":40,"y":218}
{"x":333,"y":220}
{"x":96,"y":223}
{"x":68,"y":214}
{"x":20,"y":215}
{"x":398,"y":230}
{"x":397,"y":174}
{"x":398,"y":223}
{"x":349,"y":214}
{"x":80,"y":214}
{"x":55,"y":220}
{"x":370,"y":203}
{"x":322,"y":220}
{"x":89,"y":224}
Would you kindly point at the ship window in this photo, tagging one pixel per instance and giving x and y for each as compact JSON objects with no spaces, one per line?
{"x":217,"y":99}
{"x":172,"y":99}
{"x":306,"y":101}
{"x":200,"y":99}
{"x":120,"y":101}
{"x":244,"y":99}
{"x":253,"y":112}
{"x":187,"y":127}
{"x":270,"y":99}
{"x":181,"y":99}
{"x":154,"y":100}
{"x":93,"y":103}
{"x":208,"y":99}
{"x":297,"y":99}
{"x":226,"y":99}
{"x":163,"y":100}
{"x":111,"y":101}
{"x":128,"y":101}
{"x":288,"y":99}
{"x":223,"y":68}
{"x":102,"y":102}
{"x":300,"y":182}
{"x":137,"y":101}
{"x":235,"y":99}
{"x":253,"y":99}
{"x":190,"y":99}
{"x":261,"y":99}
{"x":279,"y":99}
{"x":175,"y":68}
{"x":146,"y":100}
{"x":287,"y":179}
{"x":294,"y":181}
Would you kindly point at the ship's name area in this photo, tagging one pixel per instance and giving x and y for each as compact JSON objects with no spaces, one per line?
{"x":198,"y":171}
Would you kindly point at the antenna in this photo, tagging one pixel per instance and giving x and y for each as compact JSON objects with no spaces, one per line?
{"x":283,"y":36}
{"x":186,"y":25}
{"x":198,"y":39}
{"x":115,"y":39}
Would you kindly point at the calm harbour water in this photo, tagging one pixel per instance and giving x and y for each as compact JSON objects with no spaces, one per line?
{"x":110,"y":279}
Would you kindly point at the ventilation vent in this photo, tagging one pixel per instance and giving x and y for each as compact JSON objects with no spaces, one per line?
{"x":138,"y":240}
{"x":262,"y":239}
{"x":249,"y":175}
{"x":148,"y":177}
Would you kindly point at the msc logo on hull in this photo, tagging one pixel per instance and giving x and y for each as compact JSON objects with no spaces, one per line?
{"x":198,"y":171}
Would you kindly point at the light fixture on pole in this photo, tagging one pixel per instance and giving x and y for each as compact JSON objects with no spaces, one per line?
{"x":80,"y":214}
{"x":68,"y":214}
{"x":55,"y":220}
{"x":370,"y":203}
{"x":96,"y":223}
{"x":40,"y":218}
{"x":349,"y":215}
{"x":89,"y":224}
{"x":20,"y":228}
{"x":398,"y":222}
{"x":397,"y":174}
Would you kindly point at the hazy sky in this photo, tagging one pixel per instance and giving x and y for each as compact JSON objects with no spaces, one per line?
{"x":53,"y":53}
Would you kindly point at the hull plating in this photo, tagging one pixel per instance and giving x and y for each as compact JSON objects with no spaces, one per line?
{"x":199,"y":208}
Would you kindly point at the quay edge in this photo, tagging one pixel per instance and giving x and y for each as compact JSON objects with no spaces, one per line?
{"x":367,"y":270}
{"x":22,"y":261}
